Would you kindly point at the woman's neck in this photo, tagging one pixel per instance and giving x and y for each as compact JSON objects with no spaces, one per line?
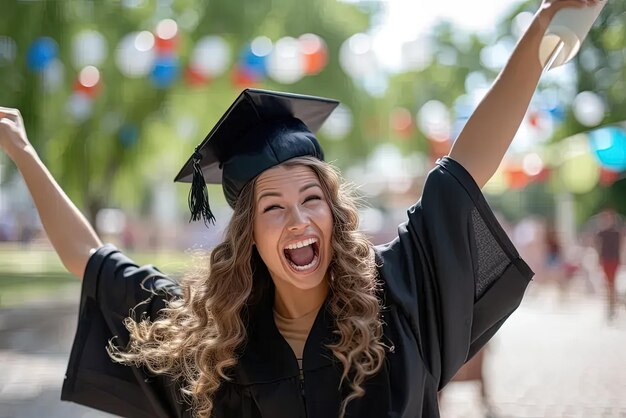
{"x":291,"y":302}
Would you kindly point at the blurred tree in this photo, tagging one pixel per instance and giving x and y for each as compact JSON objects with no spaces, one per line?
{"x":600,"y":67}
{"x":138,"y":135}
{"x":442,"y":79}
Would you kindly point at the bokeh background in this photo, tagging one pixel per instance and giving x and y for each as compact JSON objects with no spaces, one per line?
{"x":116,"y":94}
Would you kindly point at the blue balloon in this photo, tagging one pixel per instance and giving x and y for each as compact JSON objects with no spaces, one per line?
{"x":609,"y":146}
{"x":252,"y":63}
{"x":165,"y":72}
{"x":558,"y":113}
{"x":40,"y":53}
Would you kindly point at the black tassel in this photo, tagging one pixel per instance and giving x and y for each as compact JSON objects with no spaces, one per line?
{"x":199,"y":195}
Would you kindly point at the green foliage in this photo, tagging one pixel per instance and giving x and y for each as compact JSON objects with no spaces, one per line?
{"x":87,"y":158}
{"x":96,"y":169}
{"x":606,"y":43}
{"x":438,"y":81}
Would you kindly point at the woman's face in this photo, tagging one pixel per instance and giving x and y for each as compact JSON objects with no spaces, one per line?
{"x":293,"y":225}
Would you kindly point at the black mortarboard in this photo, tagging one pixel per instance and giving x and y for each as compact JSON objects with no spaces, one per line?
{"x":261,"y":129}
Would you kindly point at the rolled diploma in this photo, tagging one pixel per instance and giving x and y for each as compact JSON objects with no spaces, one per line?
{"x":571,"y":27}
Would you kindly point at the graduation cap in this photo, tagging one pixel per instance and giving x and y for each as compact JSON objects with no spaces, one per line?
{"x":260,"y":130}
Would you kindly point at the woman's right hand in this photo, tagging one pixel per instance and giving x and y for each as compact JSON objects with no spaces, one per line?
{"x":13,"y":137}
{"x":70,"y":233}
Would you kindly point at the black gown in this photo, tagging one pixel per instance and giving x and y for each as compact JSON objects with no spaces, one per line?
{"x":449,"y":281}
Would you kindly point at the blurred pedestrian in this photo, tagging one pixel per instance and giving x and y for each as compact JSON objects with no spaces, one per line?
{"x":559,"y":268}
{"x":474,"y":371}
{"x":554,"y":254}
{"x":609,"y":246}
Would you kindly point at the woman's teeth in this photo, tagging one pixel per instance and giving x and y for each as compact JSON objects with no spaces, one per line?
{"x":301,"y":244}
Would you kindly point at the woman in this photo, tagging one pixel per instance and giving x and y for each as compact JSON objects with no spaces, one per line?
{"x":297,"y":314}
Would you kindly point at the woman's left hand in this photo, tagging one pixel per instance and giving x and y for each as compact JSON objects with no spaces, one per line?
{"x":549,"y":8}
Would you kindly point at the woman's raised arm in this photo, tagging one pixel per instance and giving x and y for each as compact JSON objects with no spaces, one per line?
{"x":69,"y":231}
{"x":488,"y":133}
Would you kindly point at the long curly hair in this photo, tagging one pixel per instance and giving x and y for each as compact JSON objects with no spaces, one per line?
{"x":196,"y":337}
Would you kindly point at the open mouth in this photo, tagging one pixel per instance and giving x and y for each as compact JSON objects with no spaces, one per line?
{"x":303,"y":255}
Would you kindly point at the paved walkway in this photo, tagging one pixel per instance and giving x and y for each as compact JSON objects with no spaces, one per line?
{"x":34,"y":347}
{"x":551,"y":359}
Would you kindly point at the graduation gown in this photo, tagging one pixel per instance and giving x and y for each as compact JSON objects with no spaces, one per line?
{"x":449,"y":281}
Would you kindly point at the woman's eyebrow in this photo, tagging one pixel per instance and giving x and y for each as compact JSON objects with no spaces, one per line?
{"x":278,"y":194}
{"x":269,"y":194}
{"x":308,"y":186}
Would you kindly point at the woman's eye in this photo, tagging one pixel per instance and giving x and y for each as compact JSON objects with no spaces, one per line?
{"x":271,"y":207}
{"x":312,"y":197}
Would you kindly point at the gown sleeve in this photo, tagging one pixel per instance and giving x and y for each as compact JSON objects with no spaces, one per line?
{"x":113,"y":288}
{"x":452,"y":270}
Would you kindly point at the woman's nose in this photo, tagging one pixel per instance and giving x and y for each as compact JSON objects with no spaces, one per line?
{"x":297,"y":219}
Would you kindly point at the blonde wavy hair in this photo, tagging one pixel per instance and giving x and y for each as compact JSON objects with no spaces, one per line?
{"x":195,"y":337}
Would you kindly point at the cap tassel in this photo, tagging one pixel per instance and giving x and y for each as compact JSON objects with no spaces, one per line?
{"x":199,"y":195}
